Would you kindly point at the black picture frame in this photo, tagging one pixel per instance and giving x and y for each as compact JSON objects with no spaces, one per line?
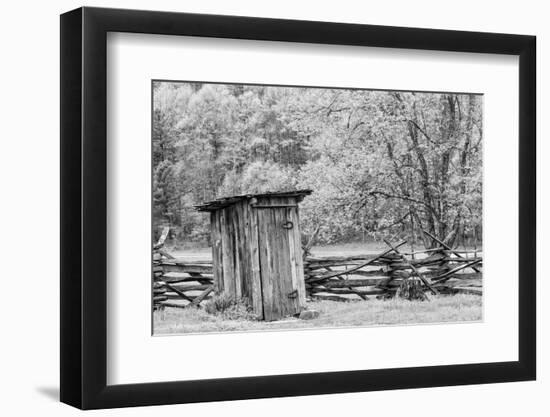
{"x":84,"y":207}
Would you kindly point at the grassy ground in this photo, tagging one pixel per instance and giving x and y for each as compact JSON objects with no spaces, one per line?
{"x":457,"y":308}
{"x":341,"y":249}
{"x":338,"y":249}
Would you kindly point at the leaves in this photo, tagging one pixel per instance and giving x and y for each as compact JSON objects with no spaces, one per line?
{"x":378,"y":162}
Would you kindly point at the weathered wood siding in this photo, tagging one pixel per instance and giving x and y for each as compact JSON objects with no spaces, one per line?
{"x":282,"y":276}
{"x":296,"y":259}
{"x":234,"y":254}
{"x":253,"y":283}
{"x":258,"y":259}
{"x":216,"y":238}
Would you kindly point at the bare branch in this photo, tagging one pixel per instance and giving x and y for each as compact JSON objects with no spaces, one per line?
{"x":402,"y":197}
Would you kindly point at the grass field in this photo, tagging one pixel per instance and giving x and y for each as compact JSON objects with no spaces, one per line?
{"x":338,"y":249}
{"x":342,"y":249}
{"x":441,"y":309}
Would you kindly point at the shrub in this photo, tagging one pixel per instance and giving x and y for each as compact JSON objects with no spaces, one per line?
{"x":411,"y":289}
{"x":219,"y":303}
{"x":229,"y":308}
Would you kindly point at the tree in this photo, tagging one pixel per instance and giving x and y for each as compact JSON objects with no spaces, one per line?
{"x":378,"y":162}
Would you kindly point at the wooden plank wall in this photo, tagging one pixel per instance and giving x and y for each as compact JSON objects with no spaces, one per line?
{"x":255,"y":258}
{"x":235,"y":255}
{"x":283,"y":289}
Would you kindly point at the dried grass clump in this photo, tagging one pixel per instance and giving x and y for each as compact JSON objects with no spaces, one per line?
{"x":411,"y":289}
{"x":229,"y":308}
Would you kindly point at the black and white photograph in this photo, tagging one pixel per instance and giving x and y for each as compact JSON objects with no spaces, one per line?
{"x":299,"y":207}
{"x":270,"y":209}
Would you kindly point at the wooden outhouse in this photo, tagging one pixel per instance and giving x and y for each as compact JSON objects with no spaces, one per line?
{"x":257,"y":252}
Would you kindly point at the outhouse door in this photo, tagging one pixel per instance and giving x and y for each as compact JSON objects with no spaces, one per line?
{"x":280,"y":253}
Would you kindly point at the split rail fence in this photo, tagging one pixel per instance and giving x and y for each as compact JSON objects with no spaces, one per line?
{"x":440,"y":270}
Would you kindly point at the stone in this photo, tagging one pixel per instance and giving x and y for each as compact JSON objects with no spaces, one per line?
{"x":309,"y":314}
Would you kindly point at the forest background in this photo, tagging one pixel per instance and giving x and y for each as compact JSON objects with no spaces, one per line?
{"x":380,"y":163}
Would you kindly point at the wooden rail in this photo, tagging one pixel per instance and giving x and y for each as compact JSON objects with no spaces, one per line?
{"x":178,"y":283}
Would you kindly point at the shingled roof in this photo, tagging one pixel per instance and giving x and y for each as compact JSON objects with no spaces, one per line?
{"x":228,"y":201}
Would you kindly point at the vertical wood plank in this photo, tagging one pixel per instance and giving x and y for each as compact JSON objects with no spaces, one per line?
{"x":297,"y":259}
{"x":285,"y":270}
{"x":229,"y":211}
{"x":246,"y":268}
{"x":254,"y":247}
{"x":282,"y":274}
{"x":237,"y":254}
{"x":217,"y":261}
{"x":266,"y":261}
{"x":292,"y":257}
{"x":241,"y":253}
{"x":276,"y":273}
{"x":269,"y":226}
{"x":227,"y":252}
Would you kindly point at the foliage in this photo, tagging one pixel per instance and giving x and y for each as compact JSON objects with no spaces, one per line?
{"x":379,"y":163}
